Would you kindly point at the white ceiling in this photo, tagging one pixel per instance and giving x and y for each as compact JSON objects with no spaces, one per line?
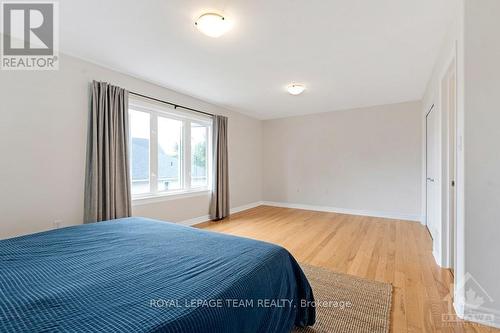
{"x":349,"y":53}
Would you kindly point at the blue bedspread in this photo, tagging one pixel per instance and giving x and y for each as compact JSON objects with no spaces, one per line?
{"x":141,"y":275}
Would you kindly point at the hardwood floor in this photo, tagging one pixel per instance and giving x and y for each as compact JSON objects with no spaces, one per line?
{"x":393,"y":251}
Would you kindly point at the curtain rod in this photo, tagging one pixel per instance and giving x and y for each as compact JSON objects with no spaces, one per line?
{"x":172,"y":104}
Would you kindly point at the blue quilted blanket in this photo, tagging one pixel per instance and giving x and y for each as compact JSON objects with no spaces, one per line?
{"x":141,"y":275}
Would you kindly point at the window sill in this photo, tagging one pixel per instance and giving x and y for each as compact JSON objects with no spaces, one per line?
{"x":155,"y":198}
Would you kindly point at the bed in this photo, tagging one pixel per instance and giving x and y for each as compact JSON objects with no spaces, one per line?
{"x":143,"y":275}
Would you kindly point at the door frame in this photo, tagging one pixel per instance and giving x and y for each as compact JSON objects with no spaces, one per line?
{"x":448,"y":83}
{"x":444,"y":249}
{"x":426,"y":161}
{"x":448,"y":239}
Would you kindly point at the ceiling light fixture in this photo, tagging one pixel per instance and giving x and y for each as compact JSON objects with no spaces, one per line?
{"x":296,"y":88}
{"x":212,"y":25}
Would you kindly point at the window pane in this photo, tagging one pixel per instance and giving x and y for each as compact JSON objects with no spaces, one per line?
{"x":169,"y":154}
{"x":139,"y":134}
{"x":199,"y":155}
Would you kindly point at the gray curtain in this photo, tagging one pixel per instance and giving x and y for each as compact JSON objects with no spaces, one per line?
{"x":107,"y":181}
{"x":219,"y":205}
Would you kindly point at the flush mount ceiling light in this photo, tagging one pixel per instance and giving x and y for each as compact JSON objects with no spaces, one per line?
{"x":296,"y":88}
{"x":212,"y":25}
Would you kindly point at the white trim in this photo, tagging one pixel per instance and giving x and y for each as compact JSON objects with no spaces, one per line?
{"x":150,"y":199}
{"x":459,"y":308}
{"x":156,"y":110}
{"x":397,"y":216}
{"x":246,"y":207}
{"x":145,"y":104}
{"x":442,"y":255}
{"x":194,"y":221}
{"x":205,"y":218}
{"x":466,"y":312}
{"x":387,"y":215}
{"x":437,"y":257}
{"x":444,"y":129}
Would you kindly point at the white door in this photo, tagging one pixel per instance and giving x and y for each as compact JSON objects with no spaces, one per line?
{"x":432,"y":173}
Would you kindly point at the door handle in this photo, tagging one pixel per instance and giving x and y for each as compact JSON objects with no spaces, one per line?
{"x":430,"y":179}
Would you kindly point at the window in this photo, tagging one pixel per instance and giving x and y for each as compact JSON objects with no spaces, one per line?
{"x":199,"y":155}
{"x":170,"y":150}
{"x":140,"y":148}
{"x":169,"y":154}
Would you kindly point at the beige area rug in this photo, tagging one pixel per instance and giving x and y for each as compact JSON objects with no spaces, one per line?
{"x":346,"y":303}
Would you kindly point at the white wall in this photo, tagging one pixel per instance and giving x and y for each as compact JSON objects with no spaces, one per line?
{"x":43,"y":134}
{"x":474,"y":39}
{"x":363,"y":160}
{"x":481,"y":146}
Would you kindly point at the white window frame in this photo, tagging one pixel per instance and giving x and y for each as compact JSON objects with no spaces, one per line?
{"x":155,"y":110}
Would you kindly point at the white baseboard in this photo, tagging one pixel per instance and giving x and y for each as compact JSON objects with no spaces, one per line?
{"x":481,"y":315}
{"x":205,"y":218}
{"x":387,"y":215}
{"x":235,"y":210}
{"x":437,"y":258}
{"x":459,"y":308}
{"x":246,"y":207}
{"x":196,"y":220}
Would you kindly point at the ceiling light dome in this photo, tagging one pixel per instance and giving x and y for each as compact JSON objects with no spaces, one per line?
{"x":212,"y":25}
{"x":296,"y":88}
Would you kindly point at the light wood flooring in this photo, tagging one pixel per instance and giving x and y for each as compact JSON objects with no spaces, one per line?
{"x":398,"y":252}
